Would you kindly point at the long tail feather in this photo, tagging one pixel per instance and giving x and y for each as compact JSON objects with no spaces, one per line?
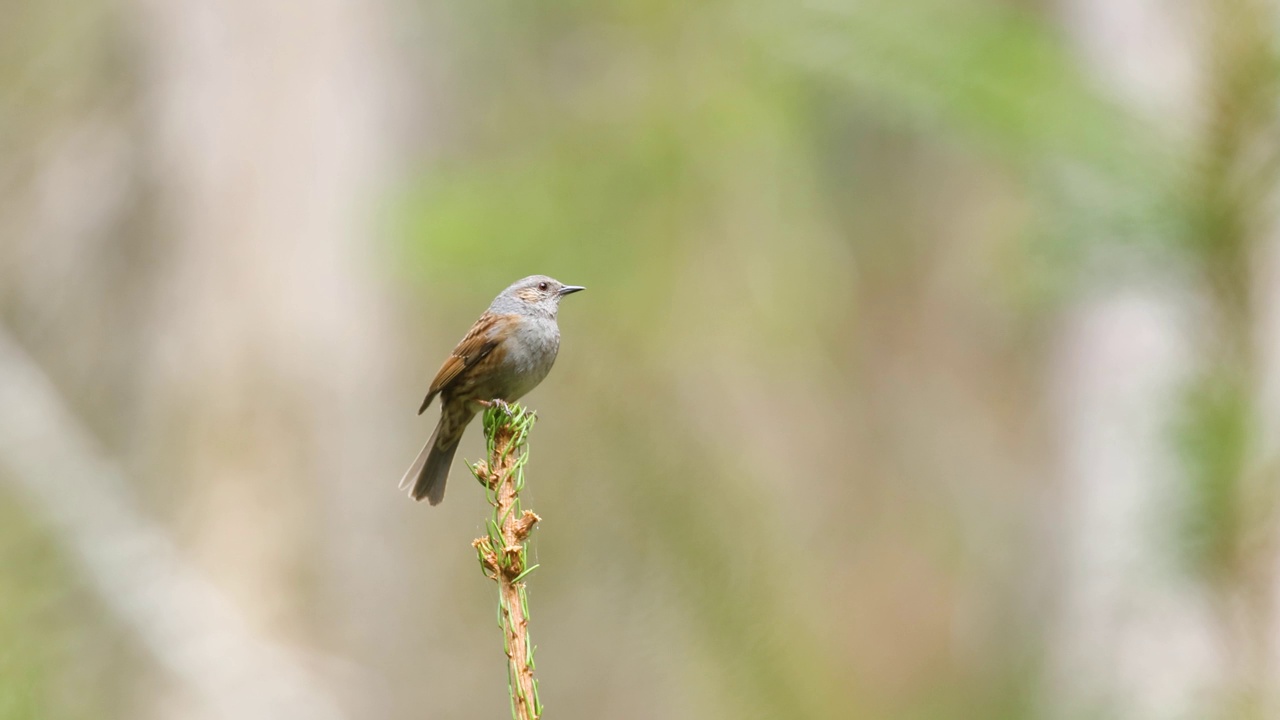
{"x":430,"y":470}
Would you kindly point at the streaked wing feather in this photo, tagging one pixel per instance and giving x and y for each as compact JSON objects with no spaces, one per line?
{"x":473,"y":347}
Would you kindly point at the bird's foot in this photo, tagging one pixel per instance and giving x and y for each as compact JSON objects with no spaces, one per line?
{"x":500,"y":404}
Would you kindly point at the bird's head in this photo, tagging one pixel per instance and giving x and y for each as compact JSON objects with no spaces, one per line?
{"x":536,"y":293}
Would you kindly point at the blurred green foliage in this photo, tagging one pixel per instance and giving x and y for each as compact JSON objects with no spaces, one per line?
{"x":1215,"y":444}
{"x":55,"y":647}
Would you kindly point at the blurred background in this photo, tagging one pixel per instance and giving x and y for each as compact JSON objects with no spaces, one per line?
{"x":929,"y":366}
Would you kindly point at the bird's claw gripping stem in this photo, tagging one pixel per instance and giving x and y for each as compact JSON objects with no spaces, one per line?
{"x":500,"y":404}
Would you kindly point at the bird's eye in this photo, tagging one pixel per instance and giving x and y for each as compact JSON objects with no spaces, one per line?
{"x":542,"y":286}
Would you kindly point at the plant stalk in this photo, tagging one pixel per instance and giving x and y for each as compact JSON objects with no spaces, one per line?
{"x":502,"y":550}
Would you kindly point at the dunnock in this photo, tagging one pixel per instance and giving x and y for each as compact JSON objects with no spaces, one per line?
{"x":504,"y":355}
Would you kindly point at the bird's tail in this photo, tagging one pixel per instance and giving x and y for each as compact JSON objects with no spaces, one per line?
{"x":430,"y":471}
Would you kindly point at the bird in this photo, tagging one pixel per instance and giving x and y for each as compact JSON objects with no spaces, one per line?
{"x":504,"y":355}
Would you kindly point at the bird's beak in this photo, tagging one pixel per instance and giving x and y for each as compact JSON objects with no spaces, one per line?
{"x":570,"y":289}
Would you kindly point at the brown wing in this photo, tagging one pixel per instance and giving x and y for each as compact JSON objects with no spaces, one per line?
{"x":472,"y":348}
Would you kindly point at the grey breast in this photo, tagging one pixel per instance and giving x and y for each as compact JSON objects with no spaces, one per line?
{"x":530,"y":357}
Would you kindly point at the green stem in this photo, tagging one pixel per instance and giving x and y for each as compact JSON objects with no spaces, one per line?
{"x":502,"y":551}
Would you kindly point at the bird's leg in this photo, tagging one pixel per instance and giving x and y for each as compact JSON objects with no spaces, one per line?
{"x":496,"y":402}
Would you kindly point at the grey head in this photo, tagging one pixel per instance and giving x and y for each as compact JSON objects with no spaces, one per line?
{"x":534,"y":295}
